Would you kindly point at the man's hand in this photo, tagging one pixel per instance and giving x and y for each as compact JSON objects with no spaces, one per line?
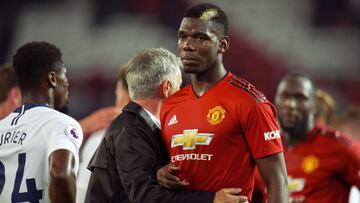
{"x":166,"y":177}
{"x":230,"y":195}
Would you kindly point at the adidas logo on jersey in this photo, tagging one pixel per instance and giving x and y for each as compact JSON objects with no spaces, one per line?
{"x":172,"y":121}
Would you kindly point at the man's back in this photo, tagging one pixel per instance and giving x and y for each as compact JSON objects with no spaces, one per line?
{"x":27,"y":138}
{"x":125,"y":137}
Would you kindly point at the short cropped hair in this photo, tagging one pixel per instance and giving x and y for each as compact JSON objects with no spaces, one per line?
{"x":298,"y":74}
{"x":8,"y":80}
{"x":148,"y":69}
{"x":33,"y":61}
{"x":211,"y":12}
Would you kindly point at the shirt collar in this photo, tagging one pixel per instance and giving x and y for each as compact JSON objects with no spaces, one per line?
{"x":25,"y":107}
{"x":153,"y":118}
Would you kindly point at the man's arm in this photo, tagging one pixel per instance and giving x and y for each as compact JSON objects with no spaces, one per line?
{"x":62,"y":186}
{"x":137,"y":156}
{"x":137,"y":162}
{"x":273,"y":171}
{"x":98,"y":120}
{"x":166,"y":178}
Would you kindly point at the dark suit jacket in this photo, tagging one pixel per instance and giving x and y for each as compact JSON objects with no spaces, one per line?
{"x":125,"y":164}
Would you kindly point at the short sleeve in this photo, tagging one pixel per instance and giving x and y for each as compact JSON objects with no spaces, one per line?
{"x":64,"y":133}
{"x":351,"y":167}
{"x":261,"y":129}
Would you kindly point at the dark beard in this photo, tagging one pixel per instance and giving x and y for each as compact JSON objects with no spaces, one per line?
{"x":299,"y":130}
{"x":64,"y":110}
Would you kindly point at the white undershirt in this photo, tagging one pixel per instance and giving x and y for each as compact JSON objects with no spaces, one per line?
{"x":154,"y":119}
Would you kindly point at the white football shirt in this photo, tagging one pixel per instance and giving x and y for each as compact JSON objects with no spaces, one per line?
{"x":86,"y":154}
{"x":27,"y":138}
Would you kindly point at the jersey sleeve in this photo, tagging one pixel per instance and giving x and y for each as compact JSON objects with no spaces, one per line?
{"x":65,"y":133}
{"x":351,"y":166}
{"x":261,"y":129}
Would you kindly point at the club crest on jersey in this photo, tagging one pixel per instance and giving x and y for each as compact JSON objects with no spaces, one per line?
{"x":216,"y":115}
{"x":190,"y":138}
{"x":310,"y":164}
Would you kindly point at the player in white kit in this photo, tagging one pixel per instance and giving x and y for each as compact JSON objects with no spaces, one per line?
{"x":38,"y":145}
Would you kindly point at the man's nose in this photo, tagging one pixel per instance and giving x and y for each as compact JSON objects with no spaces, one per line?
{"x":188,"y":44}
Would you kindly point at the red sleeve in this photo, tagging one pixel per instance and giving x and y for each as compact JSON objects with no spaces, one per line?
{"x":351,"y":167}
{"x":261,"y":129}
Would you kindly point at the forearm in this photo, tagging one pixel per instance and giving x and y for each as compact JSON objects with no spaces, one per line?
{"x":86,"y":126}
{"x":278,"y":193}
{"x":157,"y":194}
{"x":138,"y":156}
{"x":62,"y":188}
{"x":137,"y":174}
{"x":153,"y":193}
{"x":273,"y":172}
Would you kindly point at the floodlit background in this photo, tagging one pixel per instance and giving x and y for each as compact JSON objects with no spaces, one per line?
{"x":269,"y":38}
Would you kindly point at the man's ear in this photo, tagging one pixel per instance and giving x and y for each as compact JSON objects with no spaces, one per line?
{"x":14,"y":96}
{"x":166,"y":88}
{"x":51,"y":78}
{"x":224,"y":44}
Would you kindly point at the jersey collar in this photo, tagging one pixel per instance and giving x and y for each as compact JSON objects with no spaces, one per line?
{"x":25,"y":107}
{"x":214,"y":87}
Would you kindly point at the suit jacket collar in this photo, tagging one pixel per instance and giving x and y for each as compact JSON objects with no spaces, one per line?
{"x":135,"y":108}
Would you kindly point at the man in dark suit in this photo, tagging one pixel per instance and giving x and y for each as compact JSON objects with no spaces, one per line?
{"x":125,"y":164}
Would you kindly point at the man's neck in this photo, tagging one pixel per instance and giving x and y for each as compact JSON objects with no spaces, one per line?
{"x":36,"y":97}
{"x":152,"y":105}
{"x":204,"y":81}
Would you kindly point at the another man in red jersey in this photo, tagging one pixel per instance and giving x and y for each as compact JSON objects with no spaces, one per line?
{"x":220,"y":127}
{"x":321,"y":167}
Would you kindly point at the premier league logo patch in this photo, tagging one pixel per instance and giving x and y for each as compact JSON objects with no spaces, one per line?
{"x":216,"y":115}
{"x":73,"y":133}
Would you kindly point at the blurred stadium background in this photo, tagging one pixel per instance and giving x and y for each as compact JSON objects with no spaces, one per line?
{"x":268,"y":39}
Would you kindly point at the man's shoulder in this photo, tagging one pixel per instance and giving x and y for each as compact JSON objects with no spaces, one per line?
{"x":245,"y":89}
{"x":127,"y":121}
{"x":48,"y":114}
{"x":334,"y":136}
{"x":181,"y":95}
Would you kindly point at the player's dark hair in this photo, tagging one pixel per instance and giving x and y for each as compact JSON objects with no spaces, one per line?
{"x":8,"y":80}
{"x":212,"y":13}
{"x":35,"y":60}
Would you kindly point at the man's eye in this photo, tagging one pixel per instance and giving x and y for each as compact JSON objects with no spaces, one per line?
{"x":201,"y":38}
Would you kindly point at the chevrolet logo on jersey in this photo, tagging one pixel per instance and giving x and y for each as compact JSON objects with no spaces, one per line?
{"x":190,"y":138}
{"x":296,"y":184}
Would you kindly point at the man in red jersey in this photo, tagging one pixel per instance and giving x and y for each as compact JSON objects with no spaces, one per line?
{"x":220,"y":127}
{"x":321,"y":166}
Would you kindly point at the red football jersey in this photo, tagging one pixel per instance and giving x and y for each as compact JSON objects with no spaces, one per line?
{"x":322,"y":168}
{"x":215,"y":138}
